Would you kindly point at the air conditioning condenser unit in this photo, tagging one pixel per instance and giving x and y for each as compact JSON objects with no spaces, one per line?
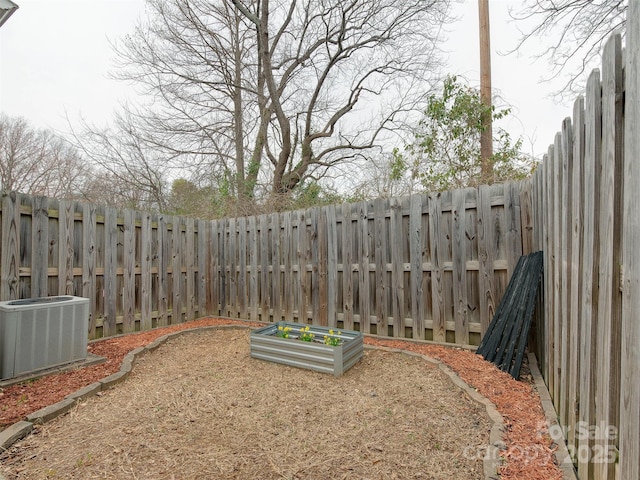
{"x":40,"y":333}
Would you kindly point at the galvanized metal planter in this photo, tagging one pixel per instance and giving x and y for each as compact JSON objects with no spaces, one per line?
{"x":266,"y":345}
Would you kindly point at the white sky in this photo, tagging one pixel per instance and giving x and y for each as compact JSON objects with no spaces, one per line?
{"x":55,"y":57}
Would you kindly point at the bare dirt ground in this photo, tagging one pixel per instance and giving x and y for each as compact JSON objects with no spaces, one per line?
{"x":200,"y":407}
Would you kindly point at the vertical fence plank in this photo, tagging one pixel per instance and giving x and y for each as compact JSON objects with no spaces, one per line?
{"x":254,"y":296}
{"x":314,"y":258}
{"x":575,"y":270}
{"x":347,"y":267}
{"x":381,"y":249}
{"x":437,"y":269}
{"x":129,"y":268}
{"x":590,"y":245}
{"x":223,"y":227}
{"x":288,"y":261}
{"x":276,"y":284}
{"x":242,"y":267}
{"x":110,"y":265}
{"x":607,"y":387}
{"x":630,"y":352}
{"x":486,"y":258}
{"x":164,"y":263}
{"x":415,"y":257}
{"x":39,"y":246}
{"x":215,"y":289}
{"x":190,"y":275}
{"x":566,"y":159}
{"x":549,"y":271}
{"x":176,"y":271}
{"x":332,"y":266}
{"x":146,"y":259}
{"x":232,"y":267}
{"x":10,"y":250}
{"x":66,"y":217}
{"x":459,"y":268}
{"x":265,"y":301}
{"x":204,"y":254}
{"x":363,"y":268}
{"x":540,"y":301}
{"x":319,"y":227}
{"x":526,"y":216}
{"x":556,"y":242}
{"x":89,"y":263}
{"x":303,"y":245}
{"x":513,"y":234}
{"x":397,"y":268}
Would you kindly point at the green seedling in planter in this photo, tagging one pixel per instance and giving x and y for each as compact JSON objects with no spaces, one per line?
{"x":306,"y":335}
{"x":283,"y":332}
{"x":333,"y":339}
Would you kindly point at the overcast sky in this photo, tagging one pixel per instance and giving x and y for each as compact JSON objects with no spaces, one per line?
{"x":55,"y":57}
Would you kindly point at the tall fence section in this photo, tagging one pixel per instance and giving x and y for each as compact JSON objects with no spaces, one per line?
{"x":426,"y":267}
{"x":585,"y":211}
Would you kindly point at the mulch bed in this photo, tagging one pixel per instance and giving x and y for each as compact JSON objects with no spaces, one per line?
{"x":529,"y":452}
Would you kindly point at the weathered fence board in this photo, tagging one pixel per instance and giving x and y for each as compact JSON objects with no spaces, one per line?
{"x":39,"y":246}
{"x":332,"y":266}
{"x":66,"y":251}
{"x":630,"y":333}
{"x":89,"y":263}
{"x":566,"y":149}
{"x":437,"y":269}
{"x":162,"y":279}
{"x":415,"y":254}
{"x":129,"y":266}
{"x":288,"y":261}
{"x":176,"y":271}
{"x":607,"y":332}
{"x":589,"y":265}
{"x":347,"y":267}
{"x":381,"y":255}
{"x":147,"y":293}
{"x":109,"y":278}
{"x":252,"y":277}
{"x":577,"y":195}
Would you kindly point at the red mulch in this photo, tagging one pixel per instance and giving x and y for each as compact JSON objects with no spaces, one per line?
{"x":529,"y":453}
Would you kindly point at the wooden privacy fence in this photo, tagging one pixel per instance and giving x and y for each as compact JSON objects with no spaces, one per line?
{"x":585,"y":207}
{"x":138,"y":270}
{"x":427,"y":267}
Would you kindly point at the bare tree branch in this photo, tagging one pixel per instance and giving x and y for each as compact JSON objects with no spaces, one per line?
{"x":249,"y":91}
{"x":572,"y":34}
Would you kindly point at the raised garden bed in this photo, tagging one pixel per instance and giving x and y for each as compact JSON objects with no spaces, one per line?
{"x":268,"y":343}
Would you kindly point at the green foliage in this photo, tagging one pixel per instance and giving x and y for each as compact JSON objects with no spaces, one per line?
{"x":306,"y":335}
{"x":333,"y":339}
{"x":283,"y":332}
{"x":187,"y":199}
{"x":445,"y":152}
{"x":312,"y":194}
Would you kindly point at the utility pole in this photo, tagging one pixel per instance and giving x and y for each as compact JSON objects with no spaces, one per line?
{"x":486,"y":138}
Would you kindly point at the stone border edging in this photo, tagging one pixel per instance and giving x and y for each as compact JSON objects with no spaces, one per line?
{"x":21,"y":429}
{"x":491,"y":460}
{"x":562,"y":453}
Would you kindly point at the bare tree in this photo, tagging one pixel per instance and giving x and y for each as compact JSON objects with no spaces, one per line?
{"x":571,"y":32}
{"x":130,"y":172}
{"x":39,"y":162}
{"x":267,"y":95}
